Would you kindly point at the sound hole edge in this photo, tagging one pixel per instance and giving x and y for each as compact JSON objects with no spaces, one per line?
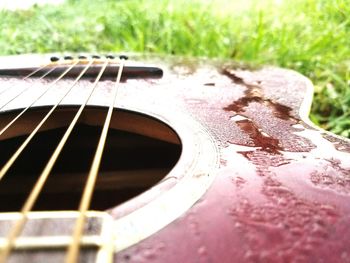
{"x":140,"y":151}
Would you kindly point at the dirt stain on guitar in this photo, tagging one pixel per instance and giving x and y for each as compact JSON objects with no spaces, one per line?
{"x":258,"y":137}
{"x":254,"y":93}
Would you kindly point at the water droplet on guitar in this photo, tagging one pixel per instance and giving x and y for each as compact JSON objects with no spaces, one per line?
{"x":202,"y":252}
{"x":149,"y":254}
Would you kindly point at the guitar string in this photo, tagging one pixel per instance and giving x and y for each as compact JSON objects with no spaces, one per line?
{"x":73,"y":250}
{"x":28,"y":87}
{"x":36,"y":71}
{"x":51,"y":85}
{"x":29,"y":203}
{"x":27,"y":76}
{"x":13,"y":158}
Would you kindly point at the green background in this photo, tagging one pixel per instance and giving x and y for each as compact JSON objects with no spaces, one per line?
{"x":311,"y":37}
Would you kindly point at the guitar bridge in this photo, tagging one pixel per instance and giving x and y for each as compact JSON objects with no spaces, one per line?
{"x":47,"y":235}
{"x":58,"y":66}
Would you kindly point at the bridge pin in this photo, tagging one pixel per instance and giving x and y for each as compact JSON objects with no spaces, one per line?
{"x":68,"y":57}
{"x":124,"y":57}
{"x":54,"y":58}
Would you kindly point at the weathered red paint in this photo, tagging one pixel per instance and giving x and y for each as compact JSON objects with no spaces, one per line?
{"x":282,"y":191}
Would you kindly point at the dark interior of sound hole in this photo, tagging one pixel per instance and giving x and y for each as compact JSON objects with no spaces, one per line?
{"x":131,"y":164}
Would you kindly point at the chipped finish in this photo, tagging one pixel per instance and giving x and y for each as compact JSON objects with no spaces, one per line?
{"x":279,"y":195}
{"x":282,"y":191}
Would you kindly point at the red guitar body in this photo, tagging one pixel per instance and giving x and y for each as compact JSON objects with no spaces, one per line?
{"x":255,"y":181}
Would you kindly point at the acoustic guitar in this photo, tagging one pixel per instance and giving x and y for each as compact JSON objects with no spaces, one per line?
{"x":106,"y":158}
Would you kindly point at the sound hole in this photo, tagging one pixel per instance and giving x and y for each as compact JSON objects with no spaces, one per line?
{"x":132,"y":162}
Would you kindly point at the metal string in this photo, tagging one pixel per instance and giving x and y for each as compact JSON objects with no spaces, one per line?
{"x":28,"y":205}
{"x":27,"y":76}
{"x":73,"y":250}
{"x":54,"y":156}
{"x":52,"y":84}
{"x":30,"y":86}
{"x":9,"y":163}
{"x":36,"y":71}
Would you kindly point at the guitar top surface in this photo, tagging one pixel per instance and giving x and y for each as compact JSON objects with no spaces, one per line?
{"x":255,"y":181}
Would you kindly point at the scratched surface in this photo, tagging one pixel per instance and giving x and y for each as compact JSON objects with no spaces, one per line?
{"x":282,"y":192}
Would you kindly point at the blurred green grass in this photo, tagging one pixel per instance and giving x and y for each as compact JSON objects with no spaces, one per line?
{"x":311,"y":37}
